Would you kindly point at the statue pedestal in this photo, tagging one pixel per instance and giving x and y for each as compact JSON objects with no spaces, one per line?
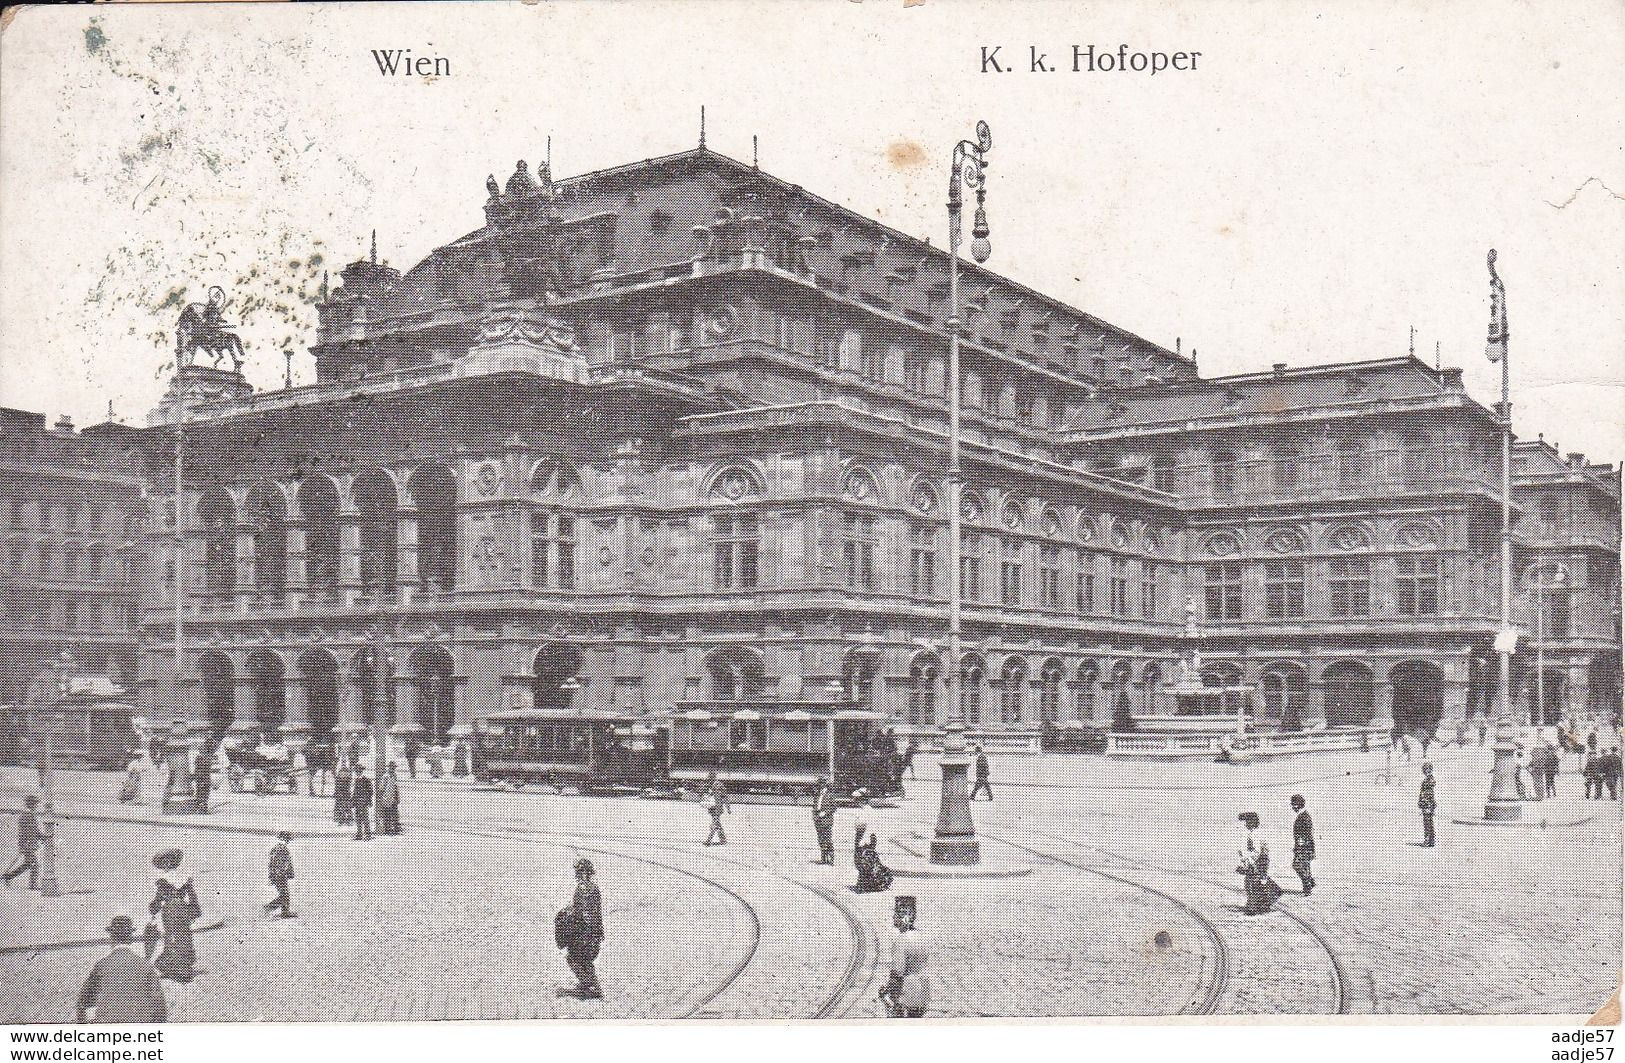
{"x":195,"y":389}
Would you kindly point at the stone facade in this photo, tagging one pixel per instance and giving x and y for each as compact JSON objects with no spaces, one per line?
{"x":678,"y":431}
{"x":72,"y":541}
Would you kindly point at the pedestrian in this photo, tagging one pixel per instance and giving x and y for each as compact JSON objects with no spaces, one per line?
{"x":1517,"y":775}
{"x":122,"y":986}
{"x":437,"y":764}
{"x":824,"y":822}
{"x":1553,"y":764}
{"x":411,"y":752}
{"x":176,"y":907}
{"x":1426,"y":738}
{"x":28,"y":839}
{"x":908,"y":757}
{"x":1427,"y":805}
{"x":203,"y":778}
{"x":1254,"y":869}
{"x":1303,"y":844}
{"x":586,"y":932}
{"x":1591,"y":743}
{"x":1483,"y":731}
{"x":715,"y":802}
{"x":1405,"y":746}
{"x":1611,"y":772}
{"x":131,"y":792}
{"x":343,"y":799}
{"x":907,"y":992}
{"x":873,"y":876}
{"x":389,"y":802}
{"x":981,"y":786}
{"x":361,"y":800}
{"x":1591,"y":773}
{"x":280,"y":871}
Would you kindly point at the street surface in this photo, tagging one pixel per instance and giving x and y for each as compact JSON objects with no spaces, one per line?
{"x":453,"y":919}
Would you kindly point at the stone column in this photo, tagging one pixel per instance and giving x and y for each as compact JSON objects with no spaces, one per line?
{"x":296,"y":724}
{"x":246,"y":586}
{"x":295,"y":578}
{"x":1314,"y":706}
{"x":406,"y":554}
{"x":1382,"y":715}
{"x":350,"y":556}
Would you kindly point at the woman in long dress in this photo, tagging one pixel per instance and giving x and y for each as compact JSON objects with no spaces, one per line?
{"x":176,"y":908}
{"x":1254,"y":869}
{"x":873,"y":876}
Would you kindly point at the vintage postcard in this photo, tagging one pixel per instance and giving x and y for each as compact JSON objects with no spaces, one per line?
{"x":811,"y":511}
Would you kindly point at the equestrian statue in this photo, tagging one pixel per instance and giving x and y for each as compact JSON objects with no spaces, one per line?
{"x":202,"y":327}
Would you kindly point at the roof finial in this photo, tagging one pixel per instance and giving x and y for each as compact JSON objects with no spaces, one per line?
{"x":549,"y":154}
{"x":375,"y":247}
{"x":702,"y":126}
{"x":753,"y":156}
{"x":1437,"y":365}
{"x":1413,"y":341}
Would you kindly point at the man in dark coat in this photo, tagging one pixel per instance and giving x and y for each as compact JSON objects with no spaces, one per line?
{"x":281,"y":873}
{"x":389,"y":802}
{"x":981,"y":786}
{"x":588,"y":934}
{"x":361,"y":800}
{"x":122,"y":986}
{"x":342,"y":796}
{"x":1303,"y":844}
{"x":28,"y":839}
{"x":1611,"y":773}
{"x":824,"y":822}
{"x":1426,"y":804}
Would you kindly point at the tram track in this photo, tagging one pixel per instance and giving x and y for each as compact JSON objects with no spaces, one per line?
{"x":860,"y":953}
{"x":1340,"y":980}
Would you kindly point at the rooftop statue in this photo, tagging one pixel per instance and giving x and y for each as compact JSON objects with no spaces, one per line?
{"x":202,"y":327}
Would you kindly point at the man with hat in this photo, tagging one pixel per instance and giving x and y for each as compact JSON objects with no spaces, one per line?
{"x":1426,"y":803}
{"x":361,"y":800}
{"x":122,"y":986}
{"x":981,"y":786}
{"x":587,"y":933}
{"x":389,"y":802}
{"x":824,"y":822}
{"x":907,"y":992}
{"x":28,"y":839}
{"x":281,"y":873}
{"x":1303,"y":844}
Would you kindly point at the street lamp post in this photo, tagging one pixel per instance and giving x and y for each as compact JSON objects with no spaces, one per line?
{"x":49,"y":886}
{"x":1502,"y":804}
{"x":955,"y":839}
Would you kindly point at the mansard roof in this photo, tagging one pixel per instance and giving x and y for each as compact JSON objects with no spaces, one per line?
{"x":1537,"y":461}
{"x":628,"y":224}
{"x":1376,"y":386}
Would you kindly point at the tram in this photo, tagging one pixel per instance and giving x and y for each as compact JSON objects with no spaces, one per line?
{"x":784,"y":747}
{"x":90,"y":727}
{"x":594,"y":751}
{"x":772,"y":748}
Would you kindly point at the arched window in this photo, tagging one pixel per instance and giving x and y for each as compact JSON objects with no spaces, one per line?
{"x":736,"y":674}
{"x":553,"y":677}
{"x":1088,"y":676}
{"x":1049,"y":691}
{"x":1221,"y":674}
{"x":265,"y":677}
{"x":319,"y":674}
{"x":1122,"y":679}
{"x":972,"y":675}
{"x":375,"y":504}
{"x":319,"y":504}
{"x":1350,"y":694}
{"x":1151,"y":688}
{"x":1223,"y":472}
{"x":434,"y":691}
{"x":1285,"y":696}
{"x":922,"y":690}
{"x":858,"y":677}
{"x":1013,"y":691}
{"x":216,"y":514}
{"x":434,"y":491}
{"x":267,"y":513}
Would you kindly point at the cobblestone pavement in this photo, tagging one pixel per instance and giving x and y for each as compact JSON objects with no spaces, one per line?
{"x":453,"y":919}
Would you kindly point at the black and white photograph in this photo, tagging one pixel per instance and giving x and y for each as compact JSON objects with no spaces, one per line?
{"x":838,"y":511}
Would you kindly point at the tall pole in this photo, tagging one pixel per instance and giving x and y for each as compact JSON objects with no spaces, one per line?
{"x":955,"y":838}
{"x":1502,"y":804}
{"x":178,"y":560}
{"x":49,"y":886}
{"x":1540,"y":647}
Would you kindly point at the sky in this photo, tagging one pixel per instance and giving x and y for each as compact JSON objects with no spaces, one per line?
{"x":1328,"y":177}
